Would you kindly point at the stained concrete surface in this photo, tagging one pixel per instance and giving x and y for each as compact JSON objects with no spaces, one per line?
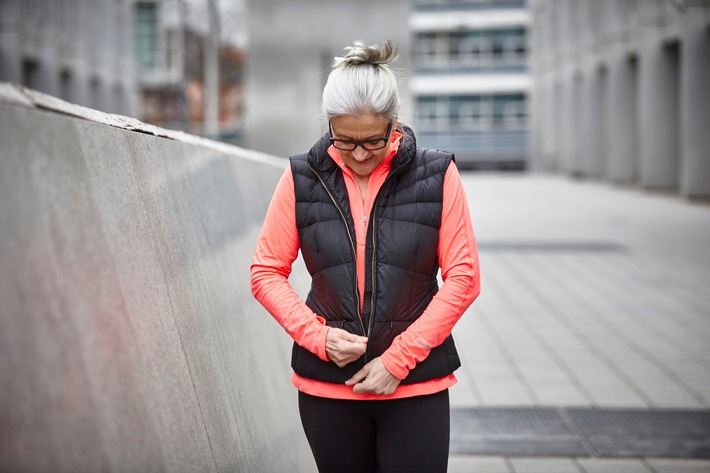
{"x":129,"y":339}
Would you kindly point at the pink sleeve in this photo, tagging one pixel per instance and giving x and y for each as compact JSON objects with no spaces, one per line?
{"x":458,"y":258}
{"x":276,"y":250}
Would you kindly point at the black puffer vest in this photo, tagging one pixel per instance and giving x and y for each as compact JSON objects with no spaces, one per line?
{"x":401,"y":255}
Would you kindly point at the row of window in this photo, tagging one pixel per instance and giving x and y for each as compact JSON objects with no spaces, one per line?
{"x":430,"y":5}
{"x":99,"y":94}
{"x":494,"y":50}
{"x":471,"y":112}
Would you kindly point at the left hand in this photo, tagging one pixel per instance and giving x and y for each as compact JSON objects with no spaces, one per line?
{"x":373,"y":378}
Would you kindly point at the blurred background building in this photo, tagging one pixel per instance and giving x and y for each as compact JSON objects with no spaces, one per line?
{"x":140,"y":58}
{"x":462,"y":65}
{"x":622,"y":91}
{"x":463,"y":71}
{"x":172,"y":39}
{"x":471,"y":84}
{"x":612,"y":89}
{"x":291,"y":49}
{"x":77,"y":50}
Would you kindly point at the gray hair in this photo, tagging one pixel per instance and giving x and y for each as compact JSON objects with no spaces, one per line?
{"x":362,"y":83}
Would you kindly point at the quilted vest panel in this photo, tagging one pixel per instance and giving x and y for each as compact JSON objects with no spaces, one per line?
{"x":401,"y":255}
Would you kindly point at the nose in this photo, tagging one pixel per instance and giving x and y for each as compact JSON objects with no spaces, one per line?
{"x":359,"y":153}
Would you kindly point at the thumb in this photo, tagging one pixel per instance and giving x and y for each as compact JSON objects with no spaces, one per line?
{"x":357,"y":377}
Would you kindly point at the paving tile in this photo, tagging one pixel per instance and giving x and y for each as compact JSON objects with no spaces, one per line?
{"x":662,"y":465}
{"x":544,"y":465}
{"x":562,"y":394}
{"x":613,"y":465}
{"x":464,"y":393}
{"x":476,"y":464}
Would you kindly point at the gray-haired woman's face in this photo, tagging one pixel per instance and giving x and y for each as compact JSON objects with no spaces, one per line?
{"x":361,"y":128}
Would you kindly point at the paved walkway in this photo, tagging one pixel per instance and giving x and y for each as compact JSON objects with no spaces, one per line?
{"x":593,"y":296}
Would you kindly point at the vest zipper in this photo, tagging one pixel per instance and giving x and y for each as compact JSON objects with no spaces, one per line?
{"x":352,"y":247}
{"x":373,"y":223}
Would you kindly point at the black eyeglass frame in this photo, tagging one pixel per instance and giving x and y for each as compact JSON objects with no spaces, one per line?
{"x":362,"y":143}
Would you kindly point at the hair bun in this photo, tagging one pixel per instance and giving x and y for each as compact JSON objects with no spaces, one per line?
{"x":361,"y":53}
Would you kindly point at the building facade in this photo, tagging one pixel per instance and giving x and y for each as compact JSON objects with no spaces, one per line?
{"x":622,"y":91}
{"x":78,"y":50}
{"x":291,"y":49}
{"x":471,"y":84}
{"x":139,"y":58}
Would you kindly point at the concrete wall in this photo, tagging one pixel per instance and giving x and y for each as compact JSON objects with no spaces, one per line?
{"x":634,"y":78}
{"x":129,"y":339}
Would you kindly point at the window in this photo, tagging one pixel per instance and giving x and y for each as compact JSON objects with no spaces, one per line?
{"x":475,"y":50}
{"x":467,"y":4}
{"x":146,"y":35}
{"x":65,"y":86}
{"x":472,"y":113}
{"x":30,"y":75}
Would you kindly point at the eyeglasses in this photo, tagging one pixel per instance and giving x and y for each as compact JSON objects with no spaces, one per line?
{"x":368,"y":145}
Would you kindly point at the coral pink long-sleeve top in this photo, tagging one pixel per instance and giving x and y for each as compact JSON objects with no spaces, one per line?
{"x":277,"y":249}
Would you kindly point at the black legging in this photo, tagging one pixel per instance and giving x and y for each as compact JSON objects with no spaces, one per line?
{"x":407,"y":435}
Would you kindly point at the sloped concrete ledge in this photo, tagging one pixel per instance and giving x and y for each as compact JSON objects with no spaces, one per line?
{"x":129,"y":340}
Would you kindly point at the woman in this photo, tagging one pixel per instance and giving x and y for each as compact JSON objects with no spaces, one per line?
{"x":375,"y":219}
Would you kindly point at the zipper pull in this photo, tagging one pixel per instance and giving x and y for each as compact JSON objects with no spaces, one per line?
{"x":364,"y":222}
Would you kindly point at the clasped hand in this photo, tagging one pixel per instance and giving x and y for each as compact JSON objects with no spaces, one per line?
{"x":343,"y":348}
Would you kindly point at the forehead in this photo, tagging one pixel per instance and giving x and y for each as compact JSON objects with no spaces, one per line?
{"x":359,"y":126}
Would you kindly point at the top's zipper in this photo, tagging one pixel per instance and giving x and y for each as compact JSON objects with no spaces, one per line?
{"x":352,"y":246}
{"x":373,"y":222}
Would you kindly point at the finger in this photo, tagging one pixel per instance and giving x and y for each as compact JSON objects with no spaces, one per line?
{"x":362,"y":388}
{"x":351,"y":337}
{"x":357,"y":349}
{"x":347,"y":336}
{"x":357,"y":377}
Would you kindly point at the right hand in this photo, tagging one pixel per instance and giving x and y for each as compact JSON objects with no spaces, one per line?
{"x":344,"y":347}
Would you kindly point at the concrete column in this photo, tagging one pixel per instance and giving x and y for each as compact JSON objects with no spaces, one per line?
{"x":582,"y":123}
{"x":603,"y":159}
{"x":550,"y":130}
{"x":559,"y":111}
{"x":536,"y":61}
{"x":10,"y":49}
{"x":658,"y":112}
{"x":563,"y":83}
{"x":568,"y":124}
{"x":592,"y":147}
{"x":576,"y":37}
{"x":562,"y":119}
{"x":541,"y":124}
{"x":575,"y":124}
{"x":621,"y":120}
{"x":536,"y":126}
{"x":211,"y":73}
{"x":550,"y":124}
{"x":695,"y":105}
